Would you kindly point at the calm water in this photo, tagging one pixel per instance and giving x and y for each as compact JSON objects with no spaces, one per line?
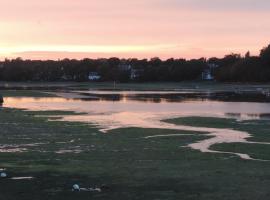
{"x":154,"y":103}
{"x":112,"y":110}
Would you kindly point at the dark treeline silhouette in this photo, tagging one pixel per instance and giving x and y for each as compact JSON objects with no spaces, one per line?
{"x":245,"y":69}
{"x":231,"y":68}
{"x":112,"y":69}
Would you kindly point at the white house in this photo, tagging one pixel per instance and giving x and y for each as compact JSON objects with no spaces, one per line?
{"x":94,"y":76}
{"x":136,"y":73}
{"x":207,"y":73}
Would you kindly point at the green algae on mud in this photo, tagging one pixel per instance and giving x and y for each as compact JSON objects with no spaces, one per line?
{"x":133,"y":167}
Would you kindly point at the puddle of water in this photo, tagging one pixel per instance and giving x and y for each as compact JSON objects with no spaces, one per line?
{"x":68,"y":151}
{"x":22,"y":178}
{"x":168,"y":96}
{"x":12,"y":150}
{"x":18,"y":148}
{"x":126,"y":112}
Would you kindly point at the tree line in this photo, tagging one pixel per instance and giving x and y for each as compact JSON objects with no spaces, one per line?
{"x":245,"y":69}
{"x":112,"y":69}
{"x":230,"y":68}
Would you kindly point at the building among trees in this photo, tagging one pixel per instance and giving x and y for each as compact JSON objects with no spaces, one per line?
{"x":208,"y":73}
{"x":94,"y":76}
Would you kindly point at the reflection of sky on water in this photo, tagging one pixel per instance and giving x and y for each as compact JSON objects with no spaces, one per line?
{"x":108,"y":115}
{"x":243,"y":110}
{"x":175,"y":96}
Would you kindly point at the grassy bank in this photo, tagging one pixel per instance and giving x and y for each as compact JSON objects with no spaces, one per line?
{"x":59,"y":154}
{"x":197,"y":86}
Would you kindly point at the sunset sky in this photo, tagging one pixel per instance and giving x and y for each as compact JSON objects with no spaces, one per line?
{"x":55,"y":29}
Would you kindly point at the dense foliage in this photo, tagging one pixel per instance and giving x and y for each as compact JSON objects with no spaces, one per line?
{"x":246,"y":69}
{"x":112,"y":69}
{"x":231,"y":68}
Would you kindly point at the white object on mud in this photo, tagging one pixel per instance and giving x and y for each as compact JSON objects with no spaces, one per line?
{"x":76,"y":187}
{"x":3,"y":175}
{"x":97,"y":189}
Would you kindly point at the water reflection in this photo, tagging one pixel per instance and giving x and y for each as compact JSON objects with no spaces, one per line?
{"x":161,"y":96}
{"x":148,"y":111}
{"x":248,"y":116}
{"x":187,"y":107}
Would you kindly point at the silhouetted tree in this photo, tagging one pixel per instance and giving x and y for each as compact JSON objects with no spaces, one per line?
{"x":265,"y":55}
